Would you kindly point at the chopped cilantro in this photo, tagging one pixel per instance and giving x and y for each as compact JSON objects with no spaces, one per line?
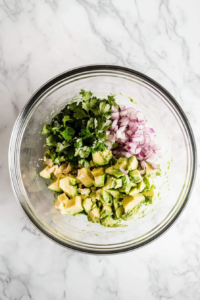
{"x":79,"y":129}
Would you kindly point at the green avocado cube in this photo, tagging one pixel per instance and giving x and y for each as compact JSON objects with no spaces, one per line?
{"x":107,"y":222}
{"x":87,"y":204}
{"x":102,"y":158}
{"x":114,"y":193}
{"x":126,"y":185}
{"x":105,"y":197}
{"x":94,"y":215}
{"x":110,"y":183}
{"x":112,"y":171}
{"x":106,"y":211}
{"x":119,"y":212}
{"x":118,"y":183}
{"x":136,"y":176}
{"x":122,"y":162}
{"x":100,"y":180}
{"x":132,"y":163}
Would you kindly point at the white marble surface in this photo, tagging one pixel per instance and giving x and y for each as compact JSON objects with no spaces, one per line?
{"x":38,"y":40}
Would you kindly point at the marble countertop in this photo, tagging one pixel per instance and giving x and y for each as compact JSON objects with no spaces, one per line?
{"x":40,"y":39}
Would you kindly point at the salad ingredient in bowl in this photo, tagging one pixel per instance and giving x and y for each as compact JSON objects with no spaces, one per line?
{"x":101,"y":159}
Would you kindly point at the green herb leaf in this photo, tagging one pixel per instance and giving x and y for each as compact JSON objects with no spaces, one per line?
{"x":46,"y":129}
{"x":70,"y":152}
{"x":68,"y":133}
{"x":51,"y":141}
{"x":85,"y":95}
{"x":65,"y":119}
{"x":79,"y":113}
{"x":61,"y":146}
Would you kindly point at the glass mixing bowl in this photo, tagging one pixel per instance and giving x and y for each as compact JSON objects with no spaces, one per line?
{"x":178,"y":163}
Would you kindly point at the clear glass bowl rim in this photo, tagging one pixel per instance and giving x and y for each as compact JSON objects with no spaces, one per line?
{"x":77,"y":72}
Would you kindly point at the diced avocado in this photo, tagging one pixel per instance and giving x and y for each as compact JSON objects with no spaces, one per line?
{"x":119,"y":212}
{"x":110,"y":183}
{"x":73,"y":206}
{"x":114,"y":172}
{"x":122,"y":162}
{"x":105,"y":197}
{"x":106,"y":211}
{"x":150,"y":171}
{"x":94,"y":215}
{"x":147,"y":182}
{"x":72,"y":179}
{"x":46,"y":173}
{"x":114,"y":193}
{"x":132,"y":163}
{"x":69,"y":189}
{"x":98,"y":194}
{"x":107,"y":222}
{"x":149,"y":193}
{"x":100,"y":180}
{"x":126,"y":185}
{"x":99,"y":204}
{"x":133,"y":191}
{"x":93,"y":195}
{"x":98,"y":171}
{"x":130,"y":202}
{"x":54,"y":186}
{"x":86,"y":177}
{"x":85,"y":191}
{"x":136,"y":176}
{"x":115,"y":203}
{"x":67,"y":169}
{"x":141,"y":186}
{"x":60,"y":201}
{"x":102,"y":158}
{"x":87,"y":204}
{"x":118,"y":183}
{"x":132,"y":183}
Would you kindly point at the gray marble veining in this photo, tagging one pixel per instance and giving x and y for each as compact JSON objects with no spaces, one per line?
{"x":38,"y":40}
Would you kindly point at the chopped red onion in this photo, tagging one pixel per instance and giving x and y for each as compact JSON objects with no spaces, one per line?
{"x":130,"y":130}
{"x":122,"y":107}
{"x":114,"y":109}
{"x":115,"y":115}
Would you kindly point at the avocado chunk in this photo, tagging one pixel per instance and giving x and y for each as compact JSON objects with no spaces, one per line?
{"x":122,"y":162}
{"x":94,"y":215}
{"x":100,"y":180}
{"x":119,"y":212}
{"x":112,"y":171}
{"x":150,"y":171}
{"x":133,"y":191}
{"x":106,"y":211}
{"x":73,"y":206}
{"x":141,"y":186}
{"x":147,"y":181}
{"x":130,"y":202}
{"x":107,"y":222}
{"x":136,"y":176}
{"x":60,"y":201}
{"x":105,"y":197}
{"x":66,"y":185}
{"x":118,"y":183}
{"x":93,"y":195}
{"x":132,"y":163}
{"x":46,"y":173}
{"x":87,"y":204}
{"x":110,"y":183}
{"x":149,"y":193}
{"x":54,"y":186}
{"x":114,"y":193}
{"x":102,"y":158}
{"x":86,"y":177}
{"x":85,"y":191}
{"x":126,"y":185}
{"x":98,"y":171}
{"x":116,"y":203}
